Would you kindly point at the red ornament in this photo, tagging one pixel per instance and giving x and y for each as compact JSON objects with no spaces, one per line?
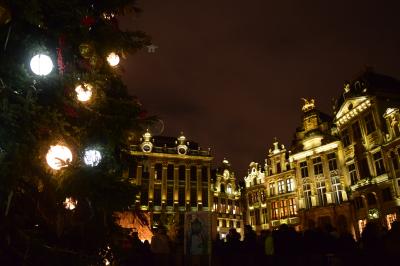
{"x":87,"y":21}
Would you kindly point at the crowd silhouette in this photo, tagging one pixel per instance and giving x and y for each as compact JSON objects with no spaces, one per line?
{"x":285,"y":246}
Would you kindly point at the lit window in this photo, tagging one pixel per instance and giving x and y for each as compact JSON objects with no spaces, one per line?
{"x":307,"y":195}
{"x":275,"y":211}
{"x":337,"y":189}
{"x":281,"y":186}
{"x":378,"y":160}
{"x":283,"y":209}
{"x":264,"y":216}
{"x":263,"y":196}
{"x":352,"y":173}
{"x":304,"y":169}
{"x":292,"y":207}
{"x":317,"y":166}
{"x":229,"y":189}
{"x":369,"y":123}
{"x":321,"y":192}
{"x":289,"y":184}
{"x":271,"y":189}
{"x":332,"y":161}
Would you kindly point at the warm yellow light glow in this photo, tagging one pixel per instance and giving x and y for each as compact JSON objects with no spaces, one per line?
{"x":58,"y":157}
{"x":41,"y":64}
{"x":113,"y":59}
{"x":70,"y":203}
{"x":304,"y":154}
{"x":84,"y":92}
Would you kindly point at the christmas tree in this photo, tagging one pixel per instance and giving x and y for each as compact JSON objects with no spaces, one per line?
{"x":66,"y":118}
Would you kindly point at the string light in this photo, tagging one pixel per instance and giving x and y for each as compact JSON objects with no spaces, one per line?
{"x":70,"y":203}
{"x":58,"y":157}
{"x":41,"y":64}
{"x":84,"y":92}
{"x":92,"y":157}
{"x":113,"y":59}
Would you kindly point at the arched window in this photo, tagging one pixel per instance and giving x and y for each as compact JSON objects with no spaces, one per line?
{"x":229,"y":189}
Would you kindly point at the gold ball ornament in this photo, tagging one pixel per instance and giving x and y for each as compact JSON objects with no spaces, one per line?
{"x":5,"y":14}
{"x":86,"y":50}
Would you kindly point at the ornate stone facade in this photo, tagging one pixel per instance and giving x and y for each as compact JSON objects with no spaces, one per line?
{"x":227,"y":200}
{"x":367,"y":119}
{"x":173,"y":176}
{"x":271,"y":193}
{"x":346,"y":168}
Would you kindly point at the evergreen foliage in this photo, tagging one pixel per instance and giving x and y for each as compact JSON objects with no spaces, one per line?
{"x":39,"y":111}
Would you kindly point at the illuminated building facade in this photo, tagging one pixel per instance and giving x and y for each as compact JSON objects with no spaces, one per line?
{"x":271,"y":192}
{"x":227,"y":200}
{"x":367,"y":119}
{"x":346,"y":168}
{"x":173,"y":176}
{"x":321,"y":177}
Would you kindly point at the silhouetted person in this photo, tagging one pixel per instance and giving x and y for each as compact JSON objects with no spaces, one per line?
{"x":311,"y":245}
{"x":218,"y":251}
{"x":233,"y":251}
{"x":249,"y":245}
{"x":160,"y":246}
{"x":269,"y":249}
{"x":136,"y":247}
{"x":392,"y":243}
{"x":371,"y":244}
{"x":147,"y":254}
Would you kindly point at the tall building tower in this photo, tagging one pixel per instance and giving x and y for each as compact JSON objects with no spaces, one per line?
{"x":317,"y":155}
{"x":227,"y":200}
{"x":173,"y":175}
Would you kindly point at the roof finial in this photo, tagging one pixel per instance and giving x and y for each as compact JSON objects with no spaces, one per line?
{"x":308,"y":104}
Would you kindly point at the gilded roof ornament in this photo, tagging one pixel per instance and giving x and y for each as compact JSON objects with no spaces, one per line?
{"x":308,"y":105}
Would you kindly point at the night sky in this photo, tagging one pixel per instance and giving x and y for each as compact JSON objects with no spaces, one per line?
{"x":230,"y":74}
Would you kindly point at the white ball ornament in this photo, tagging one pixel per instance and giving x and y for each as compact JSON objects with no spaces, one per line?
{"x":41,"y":64}
{"x":58,"y":157}
{"x":84,"y":92}
{"x":92,"y":157}
{"x":113,"y":59}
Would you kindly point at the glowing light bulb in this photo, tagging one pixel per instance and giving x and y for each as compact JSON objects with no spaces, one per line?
{"x":92,"y":157}
{"x":84,"y":92}
{"x":41,"y":64}
{"x":113,"y":59}
{"x":58,"y":157}
{"x":70,"y":203}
